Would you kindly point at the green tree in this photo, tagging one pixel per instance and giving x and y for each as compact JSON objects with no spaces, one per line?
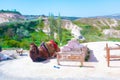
{"x":40,"y":24}
{"x":52,"y":26}
{"x":59,"y":29}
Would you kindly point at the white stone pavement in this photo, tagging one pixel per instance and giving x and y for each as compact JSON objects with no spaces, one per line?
{"x":95,"y":69}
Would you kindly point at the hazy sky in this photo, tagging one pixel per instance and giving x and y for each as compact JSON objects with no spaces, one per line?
{"x":78,"y":8}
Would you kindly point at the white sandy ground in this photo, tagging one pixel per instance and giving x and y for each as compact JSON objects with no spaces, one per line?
{"x":96,"y":69}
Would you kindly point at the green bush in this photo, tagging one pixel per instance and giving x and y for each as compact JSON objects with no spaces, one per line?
{"x":24,"y":45}
{"x":11,"y":43}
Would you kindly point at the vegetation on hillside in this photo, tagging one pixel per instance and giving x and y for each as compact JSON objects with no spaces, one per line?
{"x":20,"y":34}
{"x":13,"y":33}
{"x":10,"y":11}
{"x":93,"y":34}
{"x":90,"y":33}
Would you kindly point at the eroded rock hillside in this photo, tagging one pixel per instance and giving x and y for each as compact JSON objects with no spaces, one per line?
{"x":66,"y":24}
{"x":110,"y":27}
{"x":7,"y":17}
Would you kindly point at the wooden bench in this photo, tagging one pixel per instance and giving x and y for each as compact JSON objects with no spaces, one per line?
{"x":70,"y":56}
{"x":110,"y":55}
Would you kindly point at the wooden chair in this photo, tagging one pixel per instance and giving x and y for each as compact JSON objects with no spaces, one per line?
{"x":110,"y":55}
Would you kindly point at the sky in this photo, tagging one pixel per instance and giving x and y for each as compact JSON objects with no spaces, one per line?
{"x":73,"y":8}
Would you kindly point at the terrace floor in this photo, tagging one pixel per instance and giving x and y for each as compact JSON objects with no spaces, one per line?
{"x":95,"y":69}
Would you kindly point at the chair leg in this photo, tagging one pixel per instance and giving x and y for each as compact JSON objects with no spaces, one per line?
{"x":81,"y":60}
{"x":108,"y":55}
{"x":58,"y":57}
{"x":108,"y":60}
{"x":82,"y":63}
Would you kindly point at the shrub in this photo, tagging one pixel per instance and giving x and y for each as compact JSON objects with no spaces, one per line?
{"x":12,"y":43}
{"x":24,"y":45}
